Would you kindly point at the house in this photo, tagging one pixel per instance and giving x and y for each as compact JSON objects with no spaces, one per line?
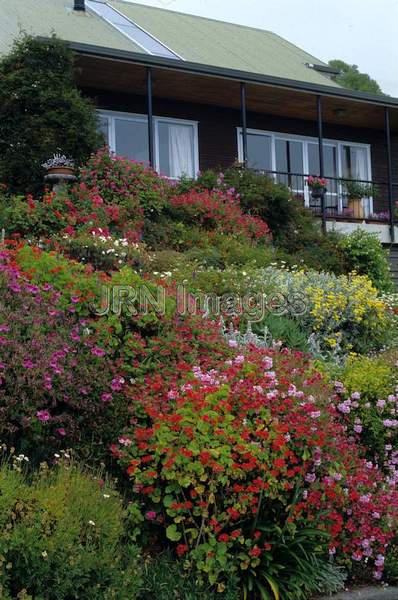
{"x":187,"y":93}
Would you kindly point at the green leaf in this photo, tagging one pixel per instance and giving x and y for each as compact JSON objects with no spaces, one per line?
{"x":274,"y":586}
{"x":264,"y":594}
{"x":172,"y":533}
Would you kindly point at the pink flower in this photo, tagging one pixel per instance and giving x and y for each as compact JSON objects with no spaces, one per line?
{"x":117,"y":384}
{"x":43,"y":415}
{"x":150,"y":515}
{"x":61,"y":431}
{"x":97,"y":351}
{"x":106,"y":397}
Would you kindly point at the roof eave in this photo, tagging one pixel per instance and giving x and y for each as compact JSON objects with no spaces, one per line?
{"x":220,"y":72}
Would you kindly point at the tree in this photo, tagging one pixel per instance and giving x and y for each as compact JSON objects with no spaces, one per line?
{"x":41,"y":112}
{"x":351,"y":78}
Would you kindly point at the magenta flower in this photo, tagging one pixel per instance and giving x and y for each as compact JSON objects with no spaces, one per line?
{"x":117,"y":384}
{"x":43,"y":415}
{"x":61,"y":431}
{"x":97,"y":351}
{"x":150,"y":515}
{"x":106,"y":397}
{"x":28,"y":364}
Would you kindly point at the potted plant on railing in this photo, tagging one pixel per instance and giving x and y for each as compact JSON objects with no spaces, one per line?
{"x":317,"y":186}
{"x":355,"y":192}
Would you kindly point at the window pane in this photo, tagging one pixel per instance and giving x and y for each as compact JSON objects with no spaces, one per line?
{"x":355,"y":163}
{"x":259,"y":152}
{"x":330,"y":170}
{"x":289,"y":159}
{"x":313,"y":159}
{"x":103,"y":127}
{"x":176,"y":150}
{"x":132,"y":139}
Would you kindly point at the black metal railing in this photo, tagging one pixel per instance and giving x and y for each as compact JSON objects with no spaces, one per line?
{"x":338,"y":205}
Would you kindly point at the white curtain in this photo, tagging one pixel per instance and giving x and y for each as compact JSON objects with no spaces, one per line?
{"x":181,"y":158}
{"x":359,"y":170}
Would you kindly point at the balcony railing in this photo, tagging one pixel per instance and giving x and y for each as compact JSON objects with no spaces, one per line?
{"x":337,"y":203}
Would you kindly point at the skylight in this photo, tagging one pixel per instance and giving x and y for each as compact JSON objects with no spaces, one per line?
{"x":128,"y":28}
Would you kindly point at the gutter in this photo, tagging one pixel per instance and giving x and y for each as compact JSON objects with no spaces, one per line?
{"x":231,"y":74}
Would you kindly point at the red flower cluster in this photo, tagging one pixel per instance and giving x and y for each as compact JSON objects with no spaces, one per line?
{"x":220,"y":211}
{"x":240,"y":444}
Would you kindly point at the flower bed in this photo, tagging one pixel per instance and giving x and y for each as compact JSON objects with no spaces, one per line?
{"x":243,"y":454}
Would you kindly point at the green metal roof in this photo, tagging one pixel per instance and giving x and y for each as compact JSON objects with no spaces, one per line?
{"x":216,"y":43}
{"x":46,"y":17}
{"x":196,"y":39}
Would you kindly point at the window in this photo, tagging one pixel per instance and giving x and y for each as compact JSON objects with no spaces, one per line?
{"x":130,"y":29}
{"x":176,"y":141}
{"x":291,"y":158}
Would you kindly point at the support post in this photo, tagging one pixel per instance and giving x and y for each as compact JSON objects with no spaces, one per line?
{"x":150,"y":117}
{"x":244,"y":121}
{"x":321,"y":158}
{"x":389,"y":169}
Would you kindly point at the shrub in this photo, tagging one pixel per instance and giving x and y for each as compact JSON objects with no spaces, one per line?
{"x":367,"y":398}
{"x":59,"y":386}
{"x":257,"y":193}
{"x":294,"y":229}
{"x":247,"y":470}
{"x":364,"y":254}
{"x":41,"y":112}
{"x":113,"y":196}
{"x":102,"y":252}
{"x":165,"y":579}
{"x":337,"y":314}
{"x":63,"y":537}
{"x":221,"y":211}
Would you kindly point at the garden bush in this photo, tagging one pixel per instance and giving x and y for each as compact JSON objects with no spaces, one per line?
{"x":218,"y":210}
{"x":64,"y":536}
{"x":59,"y":386}
{"x":364,"y":254}
{"x":295,"y":231}
{"x":41,"y":112}
{"x":246,"y":471}
{"x":367,"y":398}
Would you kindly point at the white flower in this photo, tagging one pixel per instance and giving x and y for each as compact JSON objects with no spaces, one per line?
{"x":91,"y":523}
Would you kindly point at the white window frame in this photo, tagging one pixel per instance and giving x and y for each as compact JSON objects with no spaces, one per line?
{"x":338,"y":144}
{"x":111,"y":115}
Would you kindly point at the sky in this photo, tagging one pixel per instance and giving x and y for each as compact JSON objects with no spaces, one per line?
{"x":361,"y":32}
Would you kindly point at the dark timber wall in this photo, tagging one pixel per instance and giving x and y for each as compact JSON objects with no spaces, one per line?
{"x":217,"y":131}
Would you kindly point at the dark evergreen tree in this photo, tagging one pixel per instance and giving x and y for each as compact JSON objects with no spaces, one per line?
{"x":41,"y":112}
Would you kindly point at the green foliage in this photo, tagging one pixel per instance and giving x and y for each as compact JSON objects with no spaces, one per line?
{"x":364,"y":254}
{"x":41,"y":112}
{"x":62,"y":536}
{"x":350,"y":77}
{"x":356,"y":190}
{"x":372,"y":377}
{"x":284,"y":329}
{"x":375,"y":380}
{"x":165,"y":579}
{"x":296,"y":232}
{"x":391,"y":565}
{"x":104,"y":253}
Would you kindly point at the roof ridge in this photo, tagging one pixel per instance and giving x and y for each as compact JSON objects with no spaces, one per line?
{"x":238,"y":25}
